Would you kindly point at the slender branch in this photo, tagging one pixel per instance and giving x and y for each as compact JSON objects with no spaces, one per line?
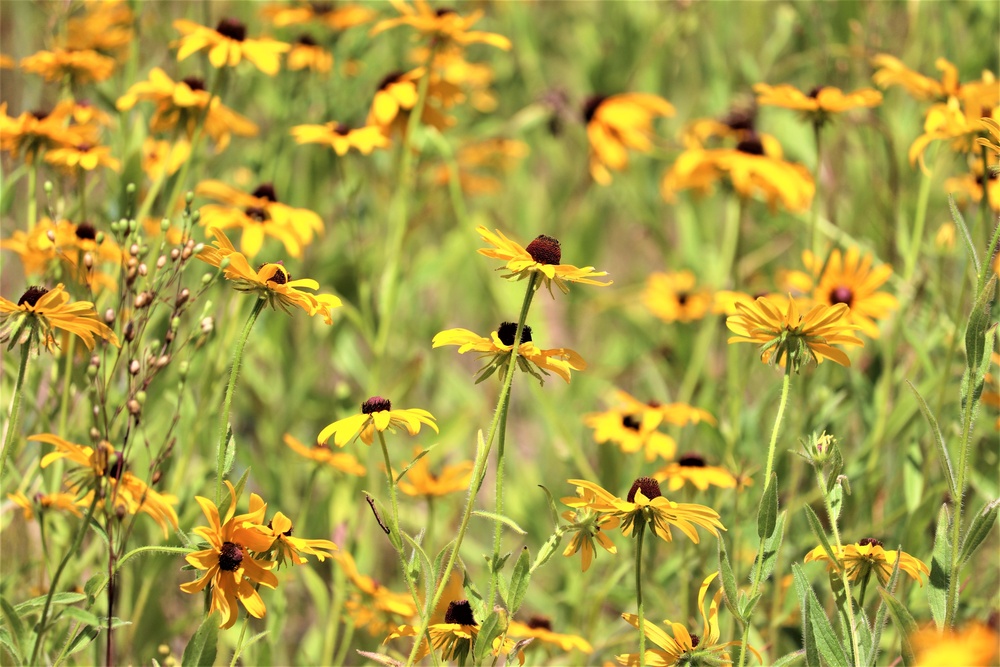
{"x":640,"y":531}
{"x":15,"y":408}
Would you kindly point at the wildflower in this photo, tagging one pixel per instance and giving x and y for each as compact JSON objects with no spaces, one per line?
{"x":892,"y":72}
{"x":975,"y":645}
{"x":341,"y":138}
{"x":83,"y":156}
{"x":819,"y":103}
{"x":785,"y":334}
{"x":452,"y":73}
{"x":944,"y":239}
{"x":229,"y":564}
{"x":867,"y":556}
{"x":444,"y":25}
{"x":396,"y":92}
{"x":542,"y":256}
{"x":160,"y":158}
{"x":66,"y":241}
{"x":474,"y":159}
{"x":376,"y":414}
{"x":499,"y":346}
{"x":45,"y":501}
{"x":307,"y":54}
{"x":691,"y":468}
{"x":227,"y":44}
{"x":645,"y":503}
{"x":337,"y":16}
{"x":630,"y":433}
{"x":38,"y":130}
{"x":104,"y":26}
{"x":973,"y":183}
{"x":287,"y":547}
{"x":372,"y":605}
{"x":540,"y":628}
{"x":270,"y":281}
{"x":685,"y":648}
{"x":40,"y":311}
{"x":342,"y":461}
{"x":78,"y":66}
{"x":587,"y":527}
{"x":258,"y":214}
{"x":617,"y":123}
{"x":954,"y":121}
{"x":420,"y":481}
{"x":992,"y":141}
{"x":673,"y":298}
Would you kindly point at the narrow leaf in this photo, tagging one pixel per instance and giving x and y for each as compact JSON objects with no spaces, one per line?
{"x":979,"y":530}
{"x":937,"y":589}
{"x":904,"y":623}
{"x":729,"y":588}
{"x":553,"y":509}
{"x":416,"y":458}
{"x":488,"y":631}
{"x":767,"y":513}
{"x":942,"y":450}
{"x":18,"y":630}
{"x":817,"y":529}
{"x":979,"y":322}
{"x":827,"y":644}
{"x":771,"y":546}
{"x":87,"y":634}
{"x":956,"y":215}
{"x":789,"y":659}
{"x":519,"y":579}
{"x":58,"y":598}
{"x":500,"y":518}
{"x":202,"y":648}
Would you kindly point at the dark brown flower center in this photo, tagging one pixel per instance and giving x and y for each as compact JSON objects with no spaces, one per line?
{"x":649,"y":487}
{"x":653,"y":403}
{"x":116,"y":469}
{"x":841,"y":294}
{"x":194,"y":82}
{"x":230,"y":556}
{"x":814,"y":93}
{"x":342,"y":129}
{"x":545,"y":250}
{"x":31,"y":297}
{"x":389,"y":79}
{"x":306,"y":40}
{"x":265,"y":191}
{"x":682,"y":298}
{"x":459,"y":611}
{"x":280,"y":276}
{"x":85,"y":231}
{"x":444,"y":11}
{"x":39,"y":114}
{"x":590,"y":106}
{"x":321,"y":7}
{"x":507,"y":331}
{"x":257,"y":214}
{"x":539,"y":623}
{"x":869,"y":541}
{"x":630,"y":422}
{"x":695,"y":640}
{"x":740,"y":119}
{"x":751,"y":146}
{"x":232,"y":29}
{"x":691,"y":461}
{"x":376,"y":404}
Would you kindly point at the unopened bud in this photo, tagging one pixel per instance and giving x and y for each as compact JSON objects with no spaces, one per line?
{"x":131,"y":225}
{"x":161,"y":261}
{"x":175,"y":324}
{"x":133,"y":407}
{"x":185,"y":253}
{"x":154,"y":345}
{"x":195,"y":217}
{"x":224,"y":263}
{"x":143,"y":270}
{"x":130,"y":188}
{"x":48,"y":187}
{"x":130,"y":331}
{"x":94,"y":433}
{"x":198,"y":248}
{"x":164,"y":224}
{"x":88,"y":260}
{"x":91,"y":372}
{"x":207,"y":324}
{"x":206,"y":278}
{"x":95,"y":361}
{"x":134,"y":367}
{"x":182,"y":369}
{"x":157,"y":476}
{"x":141,"y":397}
{"x":133,"y":249}
{"x":188,"y":198}
{"x":109,"y":315}
{"x":51,"y":235}
{"x":163,"y":360}
{"x":120,"y":512}
{"x":141,"y":300}
{"x":182,"y":298}
{"x":174,"y":254}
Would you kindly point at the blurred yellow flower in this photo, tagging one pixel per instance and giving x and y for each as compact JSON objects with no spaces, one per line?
{"x":969,"y":186}
{"x":38,"y":130}
{"x":443,"y":25}
{"x":44,"y":501}
{"x":974,"y":645}
{"x":285,"y":546}
{"x":40,"y":311}
{"x":960,"y":123}
{"x":376,"y":414}
{"x":162,"y":156}
{"x":105,"y":26}
{"x":452,"y":633}
{"x":867,"y":556}
{"x":372,"y":605}
{"x":76,"y":66}
{"x":618,"y":123}
{"x":476,"y":160}
{"x":588,"y":527}
{"x":74,"y":244}
{"x":307,"y":54}
{"x":341,"y":138}
{"x":892,"y":72}
{"x":322,"y":454}
{"x":333,"y":15}
{"x":692,"y":469}
{"x":420,"y":481}
{"x":819,"y":103}
{"x":540,"y":628}
{"x":396,"y":92}
{"x":84,"y":156}
{"x":228,"y":44}
{"x":673,"y":298}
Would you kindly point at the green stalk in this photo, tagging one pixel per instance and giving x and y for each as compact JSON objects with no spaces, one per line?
{"x":913,"y":248}
{"x":478,"y":469}
{"x":951,"y":607}
{"x":814,"y":213}
{"x":228,"y":402}
{"x":640,"y":531}
{"x":852,"y":624}
{"x":397,"y":539}
{"x":498,"y":527}
{"x":239,"y":642}
{"x":15,"y":408}
{"x":33,"y":192}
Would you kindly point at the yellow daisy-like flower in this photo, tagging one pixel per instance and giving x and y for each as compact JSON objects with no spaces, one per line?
{"x":957,"y":122}
{"x":629,"y":431}
{"x":307,"y":54}
{"x":974,"y":645}
{"x":784,"y":334}
{"x":228,"y":44}
{"x":159,"y":156}
{"x":270,"y":281}
{"x":692,"y":469}
{"x":542,"y":256}
{"x":587,"y":527}
{"x":333,"y":15}
{"x":74,"y":244}
{"x":286,"y":547}
{"x":78,"y":66}
{"x":105,"y":26}
{"x":971,"y":184}
{"x":645,"y":503}
{"x":45,"y":501}
{"x":540,"y":628}
{"x":376,"y":414}
{"x":892,"y":72}
{"x":618,"y":123}
{"x":372,"y":605}
{"x":229,"y":565}
{"x":444,"y":25}
{"x":38,"y":130}
{"x":867,"y":556}
{"x":342,"y":138}
{"x":343,"y":461}
{"x":396,"y":92}
{"x":84,"y":156}
{"x":476,"y":160}
{"x":40,"y":311}
{"x":454,"y":635}
{"x":819,"y":103}
{"x":673,"y":298}
{"x":420,"y":481}
{"x":499,"y":346}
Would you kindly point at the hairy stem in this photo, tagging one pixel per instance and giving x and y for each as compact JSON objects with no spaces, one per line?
{"x":640,"y":532}
{"x":15,"y":408}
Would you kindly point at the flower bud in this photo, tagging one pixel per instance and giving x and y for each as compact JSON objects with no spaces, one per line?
{"x":188,"y":198}
{"x":99,"y":238}
{"x":174,"y":254}
{"x":182,"y":298}
{"x":47,"y":186}
{"x":133,"y":249}
{"x":133,"y":407}
{"x":130,"y":189}
{"x":140,"y":396}
{"x":143,"y":270}
{"x":198,"y":248}
{"x":134,"y":367}
{"x":51,"y":235}
{"x":109,"y":315}
{"x":130,"y":331}
{"x":164,"y":224}
{"x":88,"y":260}
{"x":161,"y":261}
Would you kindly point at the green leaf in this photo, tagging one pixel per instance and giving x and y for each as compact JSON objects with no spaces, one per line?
{"x":519,"y":579}
{"x":500,"y":518}
{"x":425,"y":561}
{"x":771,"y":546}
{"x":481,"y":450}
{"x":937,"y":589}
{"x":201,"y":649}
{"x":229,"y":455}
{"x":767,"y":513}
{"x":942,"y":449}
{"x":979,"y":530}
{"x":489,"y":630}
{"x":789,"y":659}
{"x":817,"y":529}
{"x":94,"y":586}
{"x":241,"y":483}
{"x":913,"y":477}
{"x":956,"y":215}
{"x":553,"y":509}
{"x":7,"y":642}
{"x":548,"y":549}
{"x":748,"y":604}
{"x":817,"y":625}
{"x":881,"y":616}
{"x":82,"y":640}
{"x":19,"y":631}
{"x":729,"y":588}
{"x":440,"y":559}
{"x":836,"y":463}
{"x":58,"y":598}
{"x":837,"y":499}
{"x":248,"y":643}
{"x":979,"y":322}
{"x":864,"y":634}
{"x":903,"y":621}
{"x":416,"y":458}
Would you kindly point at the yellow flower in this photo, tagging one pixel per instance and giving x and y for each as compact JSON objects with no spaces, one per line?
{"x":40,"y":311}
{"x":228,"y":561}
{"x":819,"y":103}
{"x":74,"y":244}
{"x":955,"y":121}
{"x":792,"y":335}
{"x":228,"y":44}
{"x":307,"y":54}
{"x":617,"y":123}
{"x":270,"y":281}
{"x":83,"y":66}
{"x":475,"y":158}
{"x":337,"y":16}
{"x":105,"y":26}
{"x":867,"y":556}
{"x":630,"y":433}
{"x":542,"y":256}
{"x":7,"y":62}
{"x":645,"y":503}
{"x":970,"y":184}
{"x":420,"y":481}
{"x":376,"y":414}
{"x":44,"y":501}
{"x":258,"y":214}
{"x":992,"y":141}
{"x":453,"y":634}
{"x":892,"y":72}
{"x":444,"y":25}
{"x":342,"y":461}
{"x":673,"y":298}
{"x":587,"y":527}
{"x":37,"y":130}
{"x":287,"y":547}
{"x":457,"y":78}
{"x":83,"y":156}
{"x":691,"y":468}
{"x":975,"y":645}
{"x":158,"y":156}
{"x":498,"y":347}
{"x":342,"y":138}
{"x":396,"y":92}
{"x":540,"y":628}
{"x":372,"y":605}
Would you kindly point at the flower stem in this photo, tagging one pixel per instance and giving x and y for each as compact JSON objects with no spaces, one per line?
{"x":478,"y":469}
{"x":913,"y":248}
{"x":852,"y":625}
{"x":640,"y":531}
{"x":498,"y":527}
{"x":33,"y":193}
{"x":15,"y":408}
{"x":814,"y":213}
{"x":228,"y":402}
{"x":968,"y":418}
{"x":397,"y":536}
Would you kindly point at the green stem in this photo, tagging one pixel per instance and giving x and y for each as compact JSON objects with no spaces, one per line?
{"x":239,"y":642}
{"x":864,"y":589}
{"x":228,"y":402}
{"x":478,"y":469}
{"x":951,"y":608}
{"x":913,"y":248}
{"x":33,"y":192}
{"x":498,"y":527}
{"x":814,"y":213}
{"x":852,"y":624}
{"x":640,"y":531}
{"x":15,"y":408}
{"x":396,"y":537}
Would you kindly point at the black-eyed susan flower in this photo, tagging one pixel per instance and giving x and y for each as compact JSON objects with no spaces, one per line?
{"x":40,"y":311}
{"x":83,"y":157}
{"x":258,"y":214}
{"x":646,"y":504}
{"x":820,"y":103}
{"x":306,"y":53}
{"x":41,"y":502}
{"x":972,"y":184}
{"x":627,"y":430}
{"x":376,"y":415}
{"x":867,"y":556}
{"x":76,"y":66}
{"x":674,"y":297}
{"x":285,"y":546}
{"x":455,"y":80}
{"x":397,"y":91}
{"x":692,"y":469}
{"x":974,"y":645}
{"x":954,"y":121}
{"x":479,"y":161}
{"x":161,"y":158}
{"x":653,"y":413}
{"x":38,"y":130}
{"x":228,"y":44}
{"x":453,"y":634}
{"x":420,"y":481}
{"x":333,"y":15}
{"x":271,"y":281}
{"x":103,"y":26}
{"x":371,"y":605}
{"x":588,"y":527}
{"x":617,"y":123}
{"x":499,"y":346}
{"x":891,"y":71}
{"x":342,"y":138}
{"x":786,"y":336}
{"x":445,"y":26}
{"x":76,"y":244}
{"x":540,"y":628}
{"x":229,"y":562}
{"x":542,"y":256}
{"x":343,"y":461}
